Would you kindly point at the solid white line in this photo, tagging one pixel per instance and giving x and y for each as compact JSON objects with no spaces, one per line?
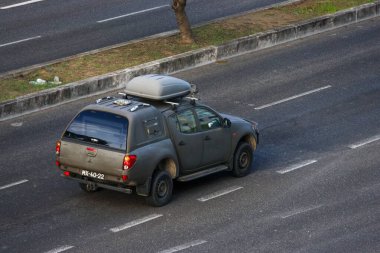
{"x":60,"y":249}
{"x":13,"y":184}
{"x":19,"y":41}
{"x":183,"y":246}
{"x":135,"y":223}
{"x":365,"y":142}
{"x":293,"y":97}
{"x":219,"y":193}
{"x":133,"y":13}
{"x":20,"y":4}
{"x":296,"y":166}
{"x":304,"y":210}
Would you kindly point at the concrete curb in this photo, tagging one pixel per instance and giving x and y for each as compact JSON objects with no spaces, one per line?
{"x":115,"y":80}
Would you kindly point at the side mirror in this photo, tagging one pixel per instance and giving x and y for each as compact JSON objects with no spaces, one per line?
{"x":226,"y":123}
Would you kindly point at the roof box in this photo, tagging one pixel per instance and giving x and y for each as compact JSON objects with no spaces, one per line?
{"x":157,"y":87}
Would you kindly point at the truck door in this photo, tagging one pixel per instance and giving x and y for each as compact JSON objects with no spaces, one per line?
{"x":216,"y":138}
{"x":187,"y":140}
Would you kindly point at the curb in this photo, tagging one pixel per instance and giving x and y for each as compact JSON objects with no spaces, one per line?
{"x":115,"y":80}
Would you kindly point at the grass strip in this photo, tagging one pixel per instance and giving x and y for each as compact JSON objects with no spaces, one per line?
{"x":133,"y":54}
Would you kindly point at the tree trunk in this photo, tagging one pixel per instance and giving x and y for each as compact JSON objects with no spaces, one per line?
{"x":182,"y":21}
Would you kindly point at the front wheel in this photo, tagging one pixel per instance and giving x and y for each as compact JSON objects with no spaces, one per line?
{"x":242,"y":160}
{"x":161,"y":191}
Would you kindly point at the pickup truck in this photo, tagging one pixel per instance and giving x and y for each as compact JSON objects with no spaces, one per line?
{"x":156,"y":133}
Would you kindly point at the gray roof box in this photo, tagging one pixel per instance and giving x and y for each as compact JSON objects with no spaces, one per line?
{"x":157,"y":87}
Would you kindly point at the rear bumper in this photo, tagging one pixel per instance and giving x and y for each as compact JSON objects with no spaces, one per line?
{"x":101,"y":185}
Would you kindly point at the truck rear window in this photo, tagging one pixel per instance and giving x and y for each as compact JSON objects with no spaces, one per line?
{"x":100,"y":128}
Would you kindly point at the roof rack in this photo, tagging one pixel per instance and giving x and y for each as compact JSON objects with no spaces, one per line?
{"x":104,"y":99}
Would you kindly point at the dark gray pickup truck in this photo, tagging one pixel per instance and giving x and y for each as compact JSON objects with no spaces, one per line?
{"x":158,"y":132}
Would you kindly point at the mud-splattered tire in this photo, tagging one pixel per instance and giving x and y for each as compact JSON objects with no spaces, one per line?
{"x":242,"y":160}
{"x":161,"y":190}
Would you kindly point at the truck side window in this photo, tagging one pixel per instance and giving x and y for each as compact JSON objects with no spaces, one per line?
{"x":186,"y":122}
{"x":208,"y":119}
{"x":153,"y":128}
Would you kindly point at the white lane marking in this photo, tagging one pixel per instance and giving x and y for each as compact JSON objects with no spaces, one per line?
{"x":184,"y":246}
{"x":299,"y":211}
{"x":13,"y":184}
{"x":365,"y":142}
{"x":296,"y":166}
{"x":60,"y":249}
{"x":19,"y":41}
{"x":135,"y":223}
{"x":219,"y":193}
{"x":293,"y":97}
{"x":133,"y":13}
{"x":17,"y":124}
{"x":20,"y":4}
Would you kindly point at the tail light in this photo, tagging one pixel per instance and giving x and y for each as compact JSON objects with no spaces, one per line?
{"x":57,"y":152}
{"x":129,"y":161}
{"x":58,"y":148}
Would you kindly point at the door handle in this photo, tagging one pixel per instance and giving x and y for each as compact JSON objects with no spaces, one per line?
{"x":181,"y":143}
{"x":207,"y":138}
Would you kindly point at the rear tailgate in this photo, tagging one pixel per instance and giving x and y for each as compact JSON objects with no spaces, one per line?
{"x":94,"y":145}
{"x":77,"y":158}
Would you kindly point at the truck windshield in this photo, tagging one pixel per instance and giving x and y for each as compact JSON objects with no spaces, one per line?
{"x":101,"y":128}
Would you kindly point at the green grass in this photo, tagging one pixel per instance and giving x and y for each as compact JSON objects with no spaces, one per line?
{"x":137,"y":53}
{"x":323,"y":7}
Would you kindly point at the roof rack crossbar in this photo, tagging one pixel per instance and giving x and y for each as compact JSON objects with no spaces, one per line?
{"x":173,"y":104}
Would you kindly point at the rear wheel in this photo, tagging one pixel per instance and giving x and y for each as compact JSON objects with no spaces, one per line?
{"x":242,"y":160}
{"x":89,"y":187}
{"x":161,"y":191}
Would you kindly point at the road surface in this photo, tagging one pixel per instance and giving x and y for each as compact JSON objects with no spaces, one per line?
{"x":314,"y":185}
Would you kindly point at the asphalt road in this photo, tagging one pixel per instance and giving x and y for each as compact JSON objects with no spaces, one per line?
{"x":46,"y":30}
{"x":314,"y":185}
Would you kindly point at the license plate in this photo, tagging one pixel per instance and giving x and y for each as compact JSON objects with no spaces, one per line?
{"x":87,"y":173}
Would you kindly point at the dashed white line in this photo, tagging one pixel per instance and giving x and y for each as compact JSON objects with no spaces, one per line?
{"x":20,"y":4}
{"x":299,"y":211}
{"x":13,"y":184}
{"x":365,"y":142}
{"x":133,"y":13}
{"x":219,"y":193}
{"x":135,"y":223}
{"x":296,"y":166}
{"x":293,"y":97}
{"x":60,"y":249}
{"x":19,"y":41}
{"x":17,"y":124}
{"x":184,"y":246}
